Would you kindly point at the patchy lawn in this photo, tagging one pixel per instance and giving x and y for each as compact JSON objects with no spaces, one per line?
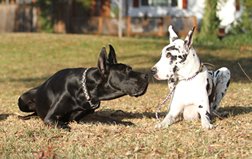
{"x":27,"y":60}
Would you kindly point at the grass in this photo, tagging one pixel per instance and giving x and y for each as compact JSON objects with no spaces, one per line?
{"x":27,"y":60}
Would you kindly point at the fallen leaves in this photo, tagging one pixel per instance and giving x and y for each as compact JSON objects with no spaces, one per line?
{"x":160,"y":152}
{"x":43,"y":153}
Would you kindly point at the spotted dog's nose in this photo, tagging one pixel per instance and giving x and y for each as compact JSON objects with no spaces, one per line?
{"x":154,"y":70}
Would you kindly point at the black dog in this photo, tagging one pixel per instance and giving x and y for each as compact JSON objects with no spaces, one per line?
{"x":74,"y":94}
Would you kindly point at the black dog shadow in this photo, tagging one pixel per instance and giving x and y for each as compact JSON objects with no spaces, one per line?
{"x":96,"y":117}
{"x":4,"y":116}
{"x":237,"y":110}
{"x":120,"y":115}
{"x":111,"y":116}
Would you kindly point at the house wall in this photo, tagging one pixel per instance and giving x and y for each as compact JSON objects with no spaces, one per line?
{"x":227,"y":11}
{"x":194,"y":8}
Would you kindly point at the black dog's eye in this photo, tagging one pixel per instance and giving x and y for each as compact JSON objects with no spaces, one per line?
{"x":126,"y":70}
{"x":168,"y":55}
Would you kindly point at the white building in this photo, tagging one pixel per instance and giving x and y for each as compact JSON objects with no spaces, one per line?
{"x":229,"y":10}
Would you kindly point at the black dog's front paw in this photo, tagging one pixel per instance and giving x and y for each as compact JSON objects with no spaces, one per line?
{"x":64,"y":126}
{"x":58,"y":124}
{"x":126,"y":123}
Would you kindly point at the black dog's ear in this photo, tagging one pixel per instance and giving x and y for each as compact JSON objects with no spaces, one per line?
{"x":102,"y":61}
{"x":112,"y":55}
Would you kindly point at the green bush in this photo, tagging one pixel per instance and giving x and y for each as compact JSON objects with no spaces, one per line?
{"x":231,"y":40}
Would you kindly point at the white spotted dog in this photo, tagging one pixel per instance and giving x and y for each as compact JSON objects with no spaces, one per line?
{"x":197,"y":91}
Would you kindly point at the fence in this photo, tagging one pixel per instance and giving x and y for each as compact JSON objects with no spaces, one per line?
{"x":7,"y":16}
{"x":23,"y":18}
{"x":131,"y":26}
{"x":68,"y":21}
{"x":18,"y":18}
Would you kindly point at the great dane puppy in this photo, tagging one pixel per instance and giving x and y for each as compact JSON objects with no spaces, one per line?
{"x":197,"y":91}
{"x":74,"y":94}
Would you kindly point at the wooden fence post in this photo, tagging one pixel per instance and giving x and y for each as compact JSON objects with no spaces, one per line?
{"x":128,"y":26}
{"x":160,"y":26}
{"x":16,"y":18}
{"x":99,"y":25}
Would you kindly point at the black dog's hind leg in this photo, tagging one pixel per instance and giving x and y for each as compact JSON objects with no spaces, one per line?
{"x":35,"y":115}
{"x":26,"y":103}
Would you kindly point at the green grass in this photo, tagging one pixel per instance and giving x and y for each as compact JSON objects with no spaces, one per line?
{"x":27,"y":60}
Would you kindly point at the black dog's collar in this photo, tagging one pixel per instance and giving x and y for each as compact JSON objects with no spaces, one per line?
{"x":83,"y":81}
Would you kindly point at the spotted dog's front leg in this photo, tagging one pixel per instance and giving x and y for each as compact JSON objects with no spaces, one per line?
{"x":168,"y":120}
{"x":204,"y":111}
{"x":174,"y":109}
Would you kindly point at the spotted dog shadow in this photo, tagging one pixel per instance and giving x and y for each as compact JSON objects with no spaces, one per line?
{"x":237,"y":110}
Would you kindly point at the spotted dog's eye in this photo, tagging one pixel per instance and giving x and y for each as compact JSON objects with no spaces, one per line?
{"x":168,"y":55}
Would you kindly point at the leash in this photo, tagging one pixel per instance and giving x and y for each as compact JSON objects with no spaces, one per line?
{"x":173,"y":89}
{"x":83,"y":81}
{"x":209,"y":64}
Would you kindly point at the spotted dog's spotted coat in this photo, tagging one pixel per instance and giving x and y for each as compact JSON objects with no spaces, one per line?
{"x":198,"y":96}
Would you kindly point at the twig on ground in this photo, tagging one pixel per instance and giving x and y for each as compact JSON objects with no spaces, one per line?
{"x":244,"y":72}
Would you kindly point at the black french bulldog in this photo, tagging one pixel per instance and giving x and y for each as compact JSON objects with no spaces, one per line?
{"x":74,"y":94}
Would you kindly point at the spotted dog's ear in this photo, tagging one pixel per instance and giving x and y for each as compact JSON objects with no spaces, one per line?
{"x":102,"y":61}
{"x":189,"y":40}
{"x":112,"y":55}
{"x":173,"y":35}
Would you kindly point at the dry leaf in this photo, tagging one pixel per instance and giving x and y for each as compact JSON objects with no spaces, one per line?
{"x":180,"y":150}
{"x":160,"y":152}
{"x":129,"y":153}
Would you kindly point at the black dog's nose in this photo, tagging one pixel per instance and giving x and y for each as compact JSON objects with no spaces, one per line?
{"x":144,"y":76}
{"x":153,"y":70}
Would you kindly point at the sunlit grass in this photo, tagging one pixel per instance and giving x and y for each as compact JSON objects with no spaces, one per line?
{"x":27,"y":60}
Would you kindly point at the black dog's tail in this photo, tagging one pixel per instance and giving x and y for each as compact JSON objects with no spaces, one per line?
{"x":26,"y":102}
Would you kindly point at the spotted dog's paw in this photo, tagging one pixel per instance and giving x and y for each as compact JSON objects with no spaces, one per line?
{"x":161,"y":125}
{"x":158,"y":126}
{"x":208,"y":126}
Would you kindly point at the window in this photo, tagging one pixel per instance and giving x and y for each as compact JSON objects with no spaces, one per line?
{"x":237,"y":5}
{"x":167,"y":3}
{"x":160,"y":3}
{"x":135,"y":4}
{"x":174,"y":3}
{"x":145,"y":2}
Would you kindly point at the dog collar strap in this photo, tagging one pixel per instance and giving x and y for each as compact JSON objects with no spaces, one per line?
{"x":173,"y":89}
{"x":190,"y":78}
{"x":84,"y":86}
